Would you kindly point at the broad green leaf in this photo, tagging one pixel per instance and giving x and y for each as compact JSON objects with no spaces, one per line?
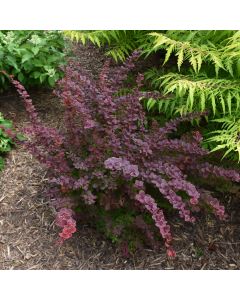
{"x":35,"y":50}
{"x":21,"y":77}
{"x":36,"y":74}
{"x":27,"y":57}
{"x":42,"y":77}
{"x":51,"y":81}
{"x":12,"y":62}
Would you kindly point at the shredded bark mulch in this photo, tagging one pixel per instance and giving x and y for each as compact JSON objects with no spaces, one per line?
{"x":28,"y":235}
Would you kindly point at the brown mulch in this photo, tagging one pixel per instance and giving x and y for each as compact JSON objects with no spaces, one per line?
{"x":28,"y":234}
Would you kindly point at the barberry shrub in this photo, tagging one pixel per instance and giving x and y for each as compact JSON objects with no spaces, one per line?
{"x":110,"y":157}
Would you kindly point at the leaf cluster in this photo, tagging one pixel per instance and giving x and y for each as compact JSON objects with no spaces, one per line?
{"x":32,"y":56}
{"x":6,"y":141}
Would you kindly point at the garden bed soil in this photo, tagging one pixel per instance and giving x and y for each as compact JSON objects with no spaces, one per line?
{"x":28,"y":235}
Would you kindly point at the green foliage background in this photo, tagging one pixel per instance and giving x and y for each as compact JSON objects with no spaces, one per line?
{"x":32,"y":56}
{"x":5,"y":141}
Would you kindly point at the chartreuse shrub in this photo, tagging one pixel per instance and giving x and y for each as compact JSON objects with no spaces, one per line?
{"x":112,"y":164}
{"x":6,"y":138}
{"x":200,"y":71}
{"x":32,"y":56}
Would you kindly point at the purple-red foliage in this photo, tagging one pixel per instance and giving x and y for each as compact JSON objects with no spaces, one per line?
{"x":64,"y":219}
{"x":108,"y":154}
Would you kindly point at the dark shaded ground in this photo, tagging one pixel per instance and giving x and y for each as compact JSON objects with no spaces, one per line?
{"x":28,"y":235}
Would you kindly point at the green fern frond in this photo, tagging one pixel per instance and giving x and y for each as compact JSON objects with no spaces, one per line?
{"x":97,"y":37}
{"x":185,"y":50}
{"x":200,"y":93}
{"x":228,"y":138}
{"x":167,"y":106}
{"x":121,"y":43}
